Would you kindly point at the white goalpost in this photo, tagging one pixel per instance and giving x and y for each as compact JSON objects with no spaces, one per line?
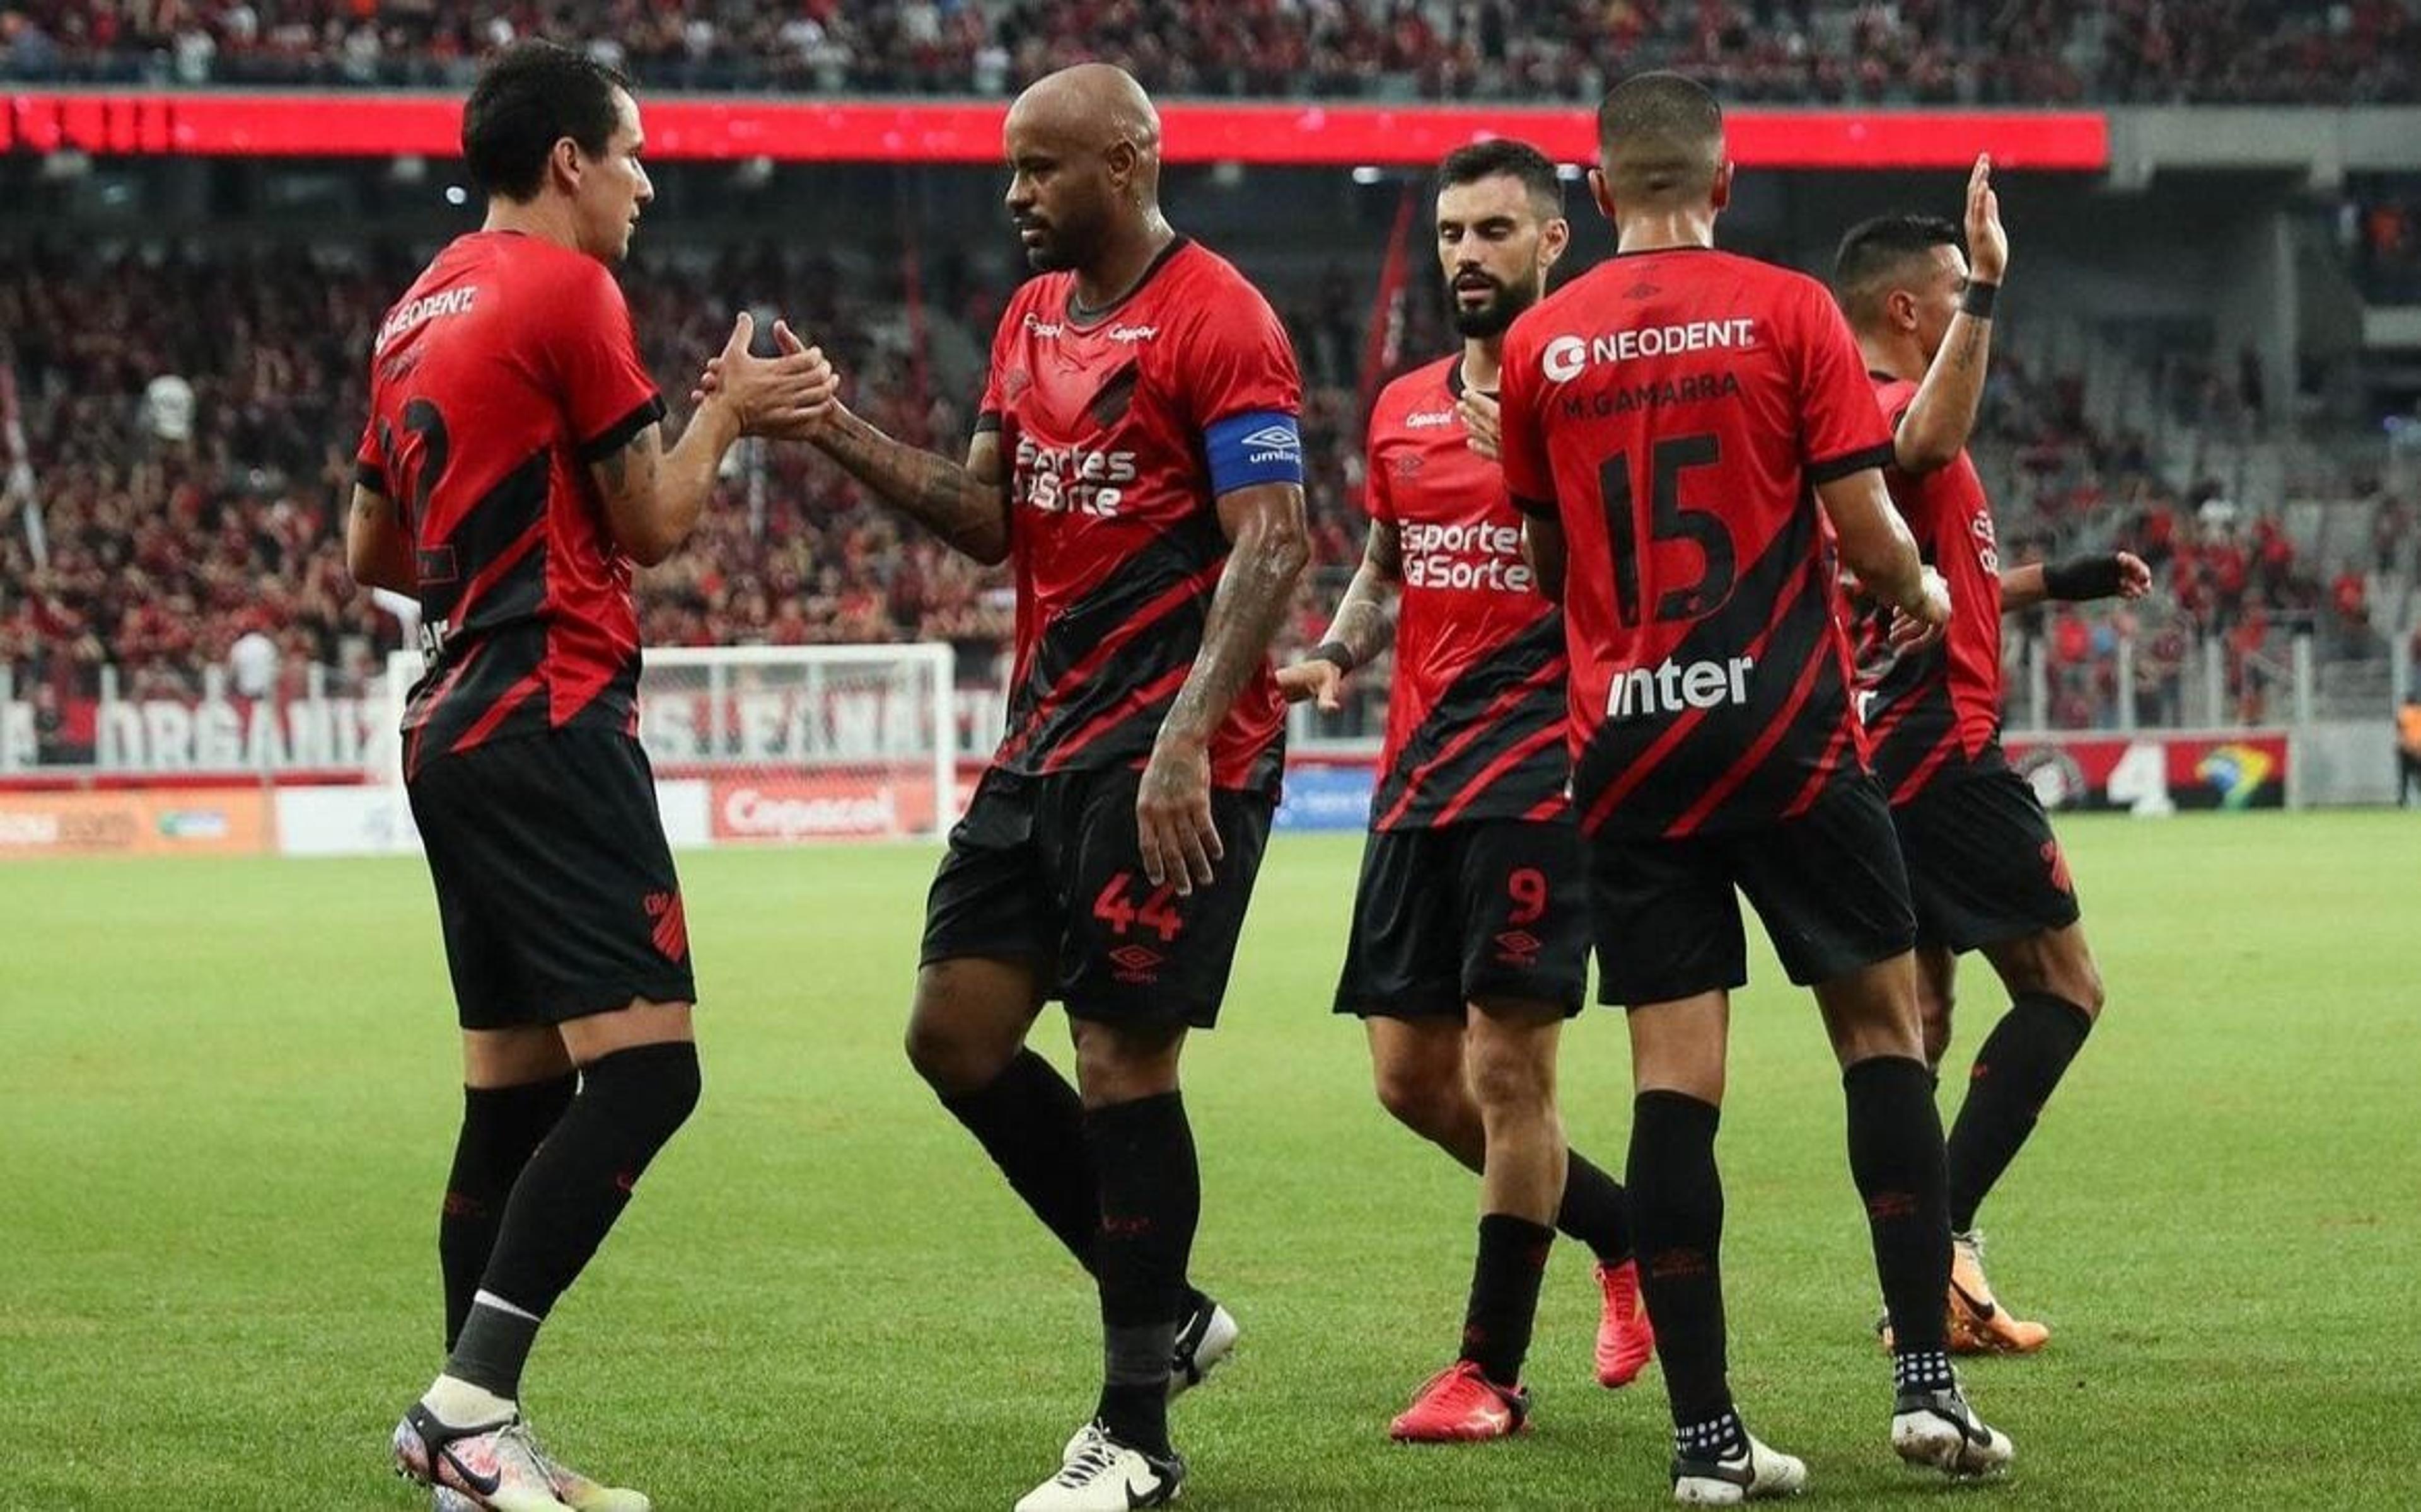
{"x":775,"y":745}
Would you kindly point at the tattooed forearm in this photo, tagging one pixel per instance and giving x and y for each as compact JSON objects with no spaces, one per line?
{"x":966,"y":511}
{"x":1270,"y":550}
{"x":1941,"y":413}
{"x":1365,"y":619}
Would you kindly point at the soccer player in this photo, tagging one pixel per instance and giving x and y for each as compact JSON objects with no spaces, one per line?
{"x":512,"y":471}
{"x":1670,"y":420}
{"x":1137,"y":461}
{"x":1983,"y":869}
{"x":1470,"y":939}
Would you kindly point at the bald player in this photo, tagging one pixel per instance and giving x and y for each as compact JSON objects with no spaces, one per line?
{"x":1138,"y":463}
{"x":1677,"y":423}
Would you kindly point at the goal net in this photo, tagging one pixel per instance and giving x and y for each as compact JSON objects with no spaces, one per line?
{"x":757,"y":744}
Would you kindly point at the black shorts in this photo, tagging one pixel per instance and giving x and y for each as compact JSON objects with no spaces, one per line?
{"x":1828,"y":886}
{"x":1983,"y":865}
{"x":1048,"y":870}
{"x":1484,"y":908}
{"x":554,"y":886}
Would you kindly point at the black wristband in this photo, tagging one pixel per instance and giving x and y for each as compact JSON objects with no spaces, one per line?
{"x":2077,"y":579}
{"x":1977,"y":300}
{"x":1336,"y":654}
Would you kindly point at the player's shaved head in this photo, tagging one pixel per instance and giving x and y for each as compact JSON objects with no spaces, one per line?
{"x":1093,"y":105}
{"x":1660,"y":141}
{"x":1083,"y":150}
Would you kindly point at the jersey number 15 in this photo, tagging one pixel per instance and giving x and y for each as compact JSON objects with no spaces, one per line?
{"x":1669,"y":520}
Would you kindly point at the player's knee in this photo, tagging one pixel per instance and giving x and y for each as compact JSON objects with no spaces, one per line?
{"x":1123,"y":1062}
{"x":1933,"y":1011}
{"x":2061,"y":965}
{"x":950,"y":1061}
{"x":1510,"y":1076}
{"x":1418,"y":1095}
{"x":652,"y":1088}
{"x":2084,"y":985}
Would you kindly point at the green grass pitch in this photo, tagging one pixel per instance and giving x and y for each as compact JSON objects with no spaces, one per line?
{"x":227,"y":1093}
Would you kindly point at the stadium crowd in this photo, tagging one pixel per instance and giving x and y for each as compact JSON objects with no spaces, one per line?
{"x":188,"y":426}
{"x":1814,"y":50}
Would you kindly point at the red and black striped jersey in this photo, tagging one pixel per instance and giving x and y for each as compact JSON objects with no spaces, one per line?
{"x":1937,"y":710}
{"x":1475,"y":715}
{"x":1674,"y":410}
{"x":507,"y":369}
{"x":1114,"y":532}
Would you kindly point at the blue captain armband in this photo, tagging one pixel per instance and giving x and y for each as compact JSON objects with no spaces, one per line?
{"x":1257,"y":447}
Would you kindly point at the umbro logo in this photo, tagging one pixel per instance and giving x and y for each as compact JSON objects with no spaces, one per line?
{"x":1272,"y":442}
{"x":1643,"y":289}
{"x":1138,"y":965}
{"x":1518,"y":947}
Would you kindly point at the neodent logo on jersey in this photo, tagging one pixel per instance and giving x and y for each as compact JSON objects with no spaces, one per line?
{"x":1562,"y":359}
{"x":1671,"y":687}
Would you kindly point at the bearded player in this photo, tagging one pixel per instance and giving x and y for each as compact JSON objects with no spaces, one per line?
{"x":1470,"y":937}
{"x":1985,"y":872}
{"x":1137,"y":461}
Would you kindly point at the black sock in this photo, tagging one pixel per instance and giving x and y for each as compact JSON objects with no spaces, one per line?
{"x":1595,"y":1211}
{"x":1895,"y":1160}
{"x":1151,"y":1199}
{"x":501,"y":1127}
{"x":1676,"y":1218}
{"x":566,"y":1202}
{"x":1925,"y":1369}
{"x":1505,"y":1295}
{"x":1716,"y":1436}
{"x":1030,"y":1121}
{"x":2021,"y":1061}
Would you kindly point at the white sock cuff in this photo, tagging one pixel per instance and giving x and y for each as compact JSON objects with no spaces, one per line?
{"x":488,"y":1299}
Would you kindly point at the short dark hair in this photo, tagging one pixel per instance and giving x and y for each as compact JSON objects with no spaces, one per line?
{"x":532,"y":95}
{"x":1512,"y":159}
{"x":1876,"y":251}
{"x":1660,"y":137}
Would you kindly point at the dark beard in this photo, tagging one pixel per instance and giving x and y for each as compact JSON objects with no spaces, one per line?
{"x":1493,"y":318}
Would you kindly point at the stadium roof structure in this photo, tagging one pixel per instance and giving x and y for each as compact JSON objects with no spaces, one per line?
{"x":345,"y":123}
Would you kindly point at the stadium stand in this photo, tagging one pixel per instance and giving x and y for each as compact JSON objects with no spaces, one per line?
{"x":1935,"y":52}
{"x":189,"y":428}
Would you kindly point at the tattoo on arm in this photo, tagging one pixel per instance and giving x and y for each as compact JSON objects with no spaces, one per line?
{"x":1971,"y":343}
{"x":966,"y":511}
{"x":1271,"y":548}
{"x":1365,"y":623}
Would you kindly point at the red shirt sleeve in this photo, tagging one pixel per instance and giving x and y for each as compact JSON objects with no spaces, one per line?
{"x":1841,"y":429}
{"x":1529,"y":478}
{"x":1239,"y":360}
{"x":988,"y":412}
{"x":370,"y":459}
{"x":603,"y":385}
{"x":1376,"y":501}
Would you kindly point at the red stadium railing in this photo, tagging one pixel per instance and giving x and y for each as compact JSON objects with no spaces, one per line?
{"x":1304,"y":134}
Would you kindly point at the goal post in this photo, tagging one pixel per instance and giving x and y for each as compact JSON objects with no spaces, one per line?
{"x":772,"y":745}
